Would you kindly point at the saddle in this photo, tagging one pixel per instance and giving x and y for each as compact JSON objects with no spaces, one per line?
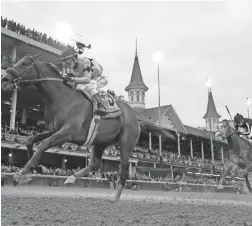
{"x":108,"y":101}
{"x":113,"y":111}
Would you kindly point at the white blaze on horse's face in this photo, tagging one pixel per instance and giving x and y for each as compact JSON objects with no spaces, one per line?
{"x":222,"y":130}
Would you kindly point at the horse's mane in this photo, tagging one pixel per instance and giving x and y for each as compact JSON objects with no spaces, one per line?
{"x":53,"y":68}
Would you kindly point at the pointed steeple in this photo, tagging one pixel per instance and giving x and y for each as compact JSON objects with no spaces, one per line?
{"x":136,"y":47}
{"x":211,"y":109}
{"x":136,"y":81}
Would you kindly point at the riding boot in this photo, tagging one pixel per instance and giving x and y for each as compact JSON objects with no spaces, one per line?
{"x":101,"y":109}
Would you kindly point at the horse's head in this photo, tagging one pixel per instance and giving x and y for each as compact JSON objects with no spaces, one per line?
{"x":224,"y":130}
{"x":24,"y":70}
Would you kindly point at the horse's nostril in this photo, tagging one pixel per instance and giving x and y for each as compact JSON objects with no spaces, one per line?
{"x":5,"y":80}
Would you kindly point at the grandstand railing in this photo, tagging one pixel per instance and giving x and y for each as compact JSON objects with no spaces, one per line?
{"x":54,"y":180}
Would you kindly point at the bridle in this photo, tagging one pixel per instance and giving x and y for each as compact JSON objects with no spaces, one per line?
{"x":228,"y":134}
{"x":19,"y":79}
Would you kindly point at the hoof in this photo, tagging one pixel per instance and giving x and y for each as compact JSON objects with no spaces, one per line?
{"x":70,"y":180}
{"x":21,"y":179}
{"x":111,"y":201}
{"x":117,"y":199}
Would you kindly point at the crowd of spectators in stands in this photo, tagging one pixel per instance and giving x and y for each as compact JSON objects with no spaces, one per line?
{"x":31,"y":33}
{"x":141,"y":151}
{"x":113,"y":177}
{"x":20,"y":129}
{"x":6,"y":61}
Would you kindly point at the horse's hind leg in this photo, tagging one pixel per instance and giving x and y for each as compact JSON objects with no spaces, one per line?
{"x":245,"y":174}
{"x":96,"y":162}
{"x":128,"y":140}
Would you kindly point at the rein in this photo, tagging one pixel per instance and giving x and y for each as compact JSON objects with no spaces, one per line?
{"x":41,"y":80}
{"x":19,"y":79}
{"x":230,"y":134}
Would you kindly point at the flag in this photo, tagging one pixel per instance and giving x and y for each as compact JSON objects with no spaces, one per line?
{"x":249,"y":101}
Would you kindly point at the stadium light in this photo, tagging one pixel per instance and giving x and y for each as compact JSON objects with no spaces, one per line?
{"x":64,"y":32}
{"x":65,"y":160}
{"x":10,"y":155}
{"x":158,"y":56}
{"x":249,"y":102}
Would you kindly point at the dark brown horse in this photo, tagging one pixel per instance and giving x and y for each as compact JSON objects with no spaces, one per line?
{"x":68,"y":114}
{"x":240,"y":152}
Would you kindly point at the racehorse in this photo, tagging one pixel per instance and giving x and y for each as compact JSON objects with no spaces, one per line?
{"x":68,"y":114}
{"x":240,"y":152}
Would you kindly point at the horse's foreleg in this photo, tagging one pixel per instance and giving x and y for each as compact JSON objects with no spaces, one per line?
{"x":95,"y":163}
{"x":57,"y":138}
{"x":226,"y":172}
{"x":128,"y":140}
{"x":33,"y":139}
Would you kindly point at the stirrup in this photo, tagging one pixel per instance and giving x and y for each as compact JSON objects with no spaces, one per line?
{"x":100,"y":112}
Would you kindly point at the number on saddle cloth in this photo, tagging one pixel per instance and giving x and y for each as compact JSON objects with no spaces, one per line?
{"x":102,"y":82}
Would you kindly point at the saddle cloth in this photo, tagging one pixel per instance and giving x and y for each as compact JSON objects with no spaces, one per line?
{"x":113,"y":111}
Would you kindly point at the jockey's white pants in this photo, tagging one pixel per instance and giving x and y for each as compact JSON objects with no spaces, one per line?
{"x":245,"y":136}
{"x":91,"y":88}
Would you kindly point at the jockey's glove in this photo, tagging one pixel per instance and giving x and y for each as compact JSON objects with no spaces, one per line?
{"x":67,"y":79}
{"x":239,"y":133}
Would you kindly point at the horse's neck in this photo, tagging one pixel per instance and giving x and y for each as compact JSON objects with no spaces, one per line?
{"x":56,"y":94}
{"x":233,"y":140}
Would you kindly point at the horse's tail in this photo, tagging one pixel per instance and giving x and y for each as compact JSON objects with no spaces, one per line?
{"x":148,"y":127}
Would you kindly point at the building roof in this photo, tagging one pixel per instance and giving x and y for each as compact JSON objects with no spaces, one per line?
{"x":136,"y":81}
{"x":211,"y":109}
{"x":152,"y":113}
{"x":201,"y":133}
{"x":198,"y":132}
{"x":155,"y":129}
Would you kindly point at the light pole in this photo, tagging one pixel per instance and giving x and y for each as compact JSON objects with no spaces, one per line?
{"x":209,"y":86}
{"x":158,"y":58}
{"x":249,"y":102}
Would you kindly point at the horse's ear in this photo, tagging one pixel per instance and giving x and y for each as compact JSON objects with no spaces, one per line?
{"x":37,"y":56}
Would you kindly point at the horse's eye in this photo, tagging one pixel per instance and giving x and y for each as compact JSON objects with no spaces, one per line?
{"x":24,"y":64}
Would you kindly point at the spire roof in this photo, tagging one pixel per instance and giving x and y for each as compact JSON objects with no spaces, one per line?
{"x":136,"y":81}
{"x":211,"y":109}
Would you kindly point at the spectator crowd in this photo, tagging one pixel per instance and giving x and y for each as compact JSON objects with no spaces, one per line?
{"x":21,"y":129}
{"x":31,"y":33}
{"x":140,"y":151}
{"x":113,"y":177}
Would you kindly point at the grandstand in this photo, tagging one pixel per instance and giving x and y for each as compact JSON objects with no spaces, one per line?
{"x":22,"y":115}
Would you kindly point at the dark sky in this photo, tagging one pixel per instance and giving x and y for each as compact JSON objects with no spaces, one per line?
{"x":199,"y":40}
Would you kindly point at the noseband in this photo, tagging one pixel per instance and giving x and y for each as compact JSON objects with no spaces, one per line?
{"x":228,"y":134}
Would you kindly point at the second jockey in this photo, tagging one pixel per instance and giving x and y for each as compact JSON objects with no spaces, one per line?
{"x":84,"y":72}
{"x":243,"y":126}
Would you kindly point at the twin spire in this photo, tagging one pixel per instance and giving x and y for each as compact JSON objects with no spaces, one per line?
{"x":136,"y":81}
{"x":136,"y":47}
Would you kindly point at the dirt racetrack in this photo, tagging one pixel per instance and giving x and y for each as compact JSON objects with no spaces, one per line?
{"x":54,"y":206}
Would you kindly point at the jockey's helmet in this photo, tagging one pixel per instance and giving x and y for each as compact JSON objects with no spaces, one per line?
{"x":239,"y":119}
{"x":69,"y":56}
{"x":67,"y":53}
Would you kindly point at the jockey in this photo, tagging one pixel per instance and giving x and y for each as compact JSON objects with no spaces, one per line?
{"x":84,"y":72}
{"x":245,"y":124}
